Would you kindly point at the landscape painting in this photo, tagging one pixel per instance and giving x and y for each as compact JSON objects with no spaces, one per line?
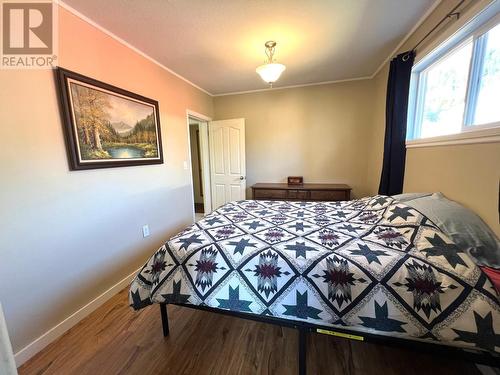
{"x":107,"y":126}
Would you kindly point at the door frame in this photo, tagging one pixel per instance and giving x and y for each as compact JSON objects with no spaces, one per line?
{"x":204,"y":157}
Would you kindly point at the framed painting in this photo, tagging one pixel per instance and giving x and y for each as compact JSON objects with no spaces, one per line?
{"x":106,"y":126}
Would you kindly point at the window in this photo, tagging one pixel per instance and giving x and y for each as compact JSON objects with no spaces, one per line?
{"x":456,"y":89}
{"x":487,"y":107}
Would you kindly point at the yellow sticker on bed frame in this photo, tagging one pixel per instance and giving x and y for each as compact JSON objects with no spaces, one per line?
{"x":340,"y":334}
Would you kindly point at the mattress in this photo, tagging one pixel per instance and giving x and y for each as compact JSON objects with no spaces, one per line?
{"x":369,"y":265}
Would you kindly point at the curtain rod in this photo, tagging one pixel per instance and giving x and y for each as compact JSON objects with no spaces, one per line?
{"x":452,"y":13}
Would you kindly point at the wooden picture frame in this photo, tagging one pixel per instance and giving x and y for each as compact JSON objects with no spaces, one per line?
{"x":106,"y":126}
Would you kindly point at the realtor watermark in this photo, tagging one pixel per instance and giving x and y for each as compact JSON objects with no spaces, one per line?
{"x":29,"y":34}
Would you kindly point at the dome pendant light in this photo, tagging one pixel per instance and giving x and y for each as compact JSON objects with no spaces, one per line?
{"x":271,"y":71}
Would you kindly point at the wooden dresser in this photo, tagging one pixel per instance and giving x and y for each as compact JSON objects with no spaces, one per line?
{"x":304,"y":192}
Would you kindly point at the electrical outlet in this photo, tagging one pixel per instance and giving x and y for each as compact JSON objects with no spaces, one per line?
{"x":145,"y":230}
{"x":186,"y":167}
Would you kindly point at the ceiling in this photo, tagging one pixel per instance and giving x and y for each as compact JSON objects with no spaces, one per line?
{"x":217,"y":44}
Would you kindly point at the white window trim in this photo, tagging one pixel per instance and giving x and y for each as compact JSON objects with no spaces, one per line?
{"x":474,"y":27}
{"x":490,"y":134}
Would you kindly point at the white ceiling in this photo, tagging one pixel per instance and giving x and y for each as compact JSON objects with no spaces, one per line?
{"x":217,"y":44}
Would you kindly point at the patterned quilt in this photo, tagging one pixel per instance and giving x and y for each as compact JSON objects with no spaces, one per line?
{"x":371,"y":265}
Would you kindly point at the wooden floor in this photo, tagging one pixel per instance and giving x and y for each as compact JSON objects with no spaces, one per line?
{"x":116,"y":340}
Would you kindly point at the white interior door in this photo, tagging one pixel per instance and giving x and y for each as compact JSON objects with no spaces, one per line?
{"x":227,"y":160}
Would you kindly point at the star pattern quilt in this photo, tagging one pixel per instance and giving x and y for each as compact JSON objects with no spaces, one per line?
{"x":371,"y":265}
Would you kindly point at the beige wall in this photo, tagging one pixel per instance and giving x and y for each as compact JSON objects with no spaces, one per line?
{"x":66,"y":237}
{"x":335,"y":133}
{"x":468,"y":174}
{"x":375,"y":151}
{"x":319,"y":132}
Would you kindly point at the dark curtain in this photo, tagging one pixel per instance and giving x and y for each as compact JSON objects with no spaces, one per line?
{"x":393,"y":168}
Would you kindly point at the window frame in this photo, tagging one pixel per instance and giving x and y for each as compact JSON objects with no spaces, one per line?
{"x":474,"y":31}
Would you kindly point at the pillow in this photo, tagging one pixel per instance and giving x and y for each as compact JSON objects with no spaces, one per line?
{"x":463,"y":226}
{"x":403,"y":198}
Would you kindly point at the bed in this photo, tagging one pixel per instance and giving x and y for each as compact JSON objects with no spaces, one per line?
{"x":372,"y":269}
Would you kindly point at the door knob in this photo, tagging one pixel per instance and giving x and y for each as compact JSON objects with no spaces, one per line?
{"x":242,"y":177}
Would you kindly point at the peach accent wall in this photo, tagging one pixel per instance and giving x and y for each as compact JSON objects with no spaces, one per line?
{"x":67,"y":236}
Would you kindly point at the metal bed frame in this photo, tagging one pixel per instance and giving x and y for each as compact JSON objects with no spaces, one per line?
{"x":471,"y":355}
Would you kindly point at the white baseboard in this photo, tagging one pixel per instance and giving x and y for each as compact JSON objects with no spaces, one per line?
{"x":41,"y":342}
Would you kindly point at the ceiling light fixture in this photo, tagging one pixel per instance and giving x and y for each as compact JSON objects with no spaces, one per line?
{"x":271,"y":71}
